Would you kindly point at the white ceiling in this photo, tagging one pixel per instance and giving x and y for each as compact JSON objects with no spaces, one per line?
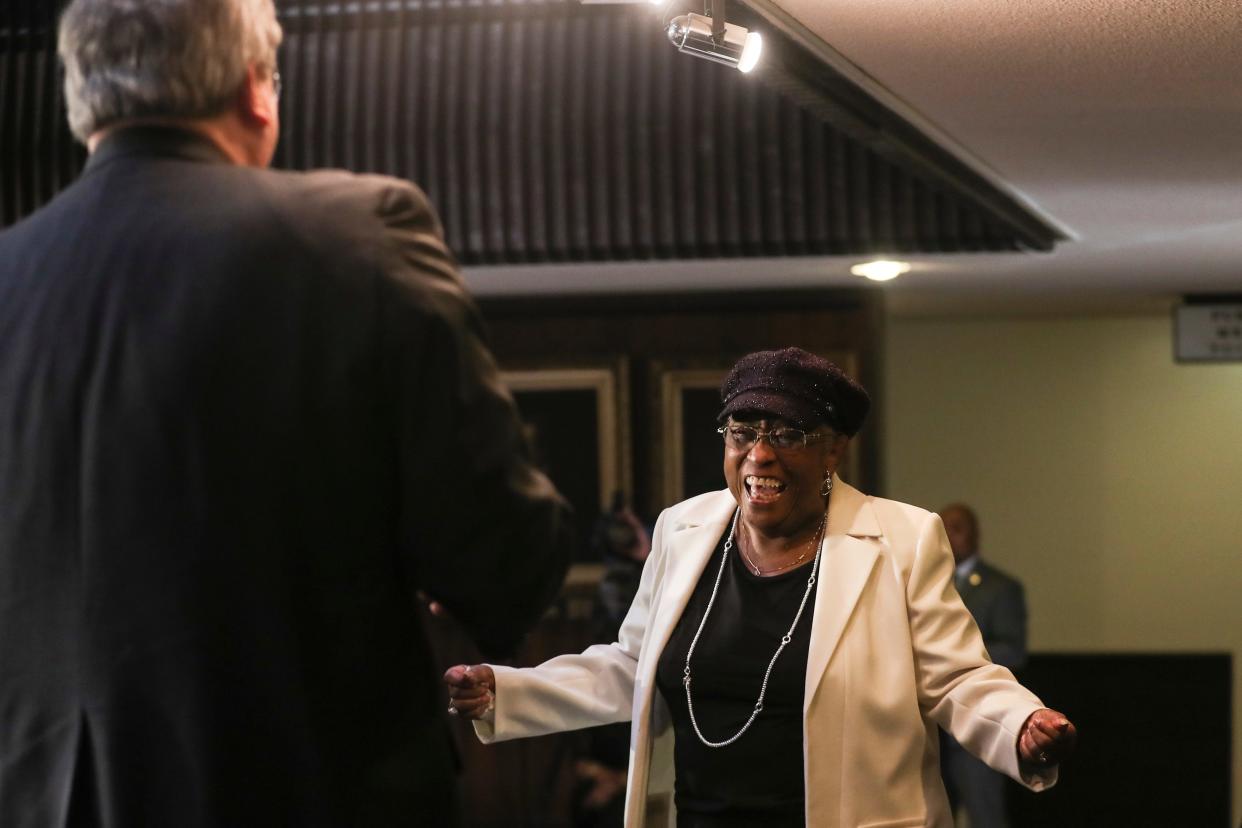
{"x":1120,"y":121}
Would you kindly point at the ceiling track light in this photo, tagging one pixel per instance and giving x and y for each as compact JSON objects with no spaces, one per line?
{"x":712,"y":37}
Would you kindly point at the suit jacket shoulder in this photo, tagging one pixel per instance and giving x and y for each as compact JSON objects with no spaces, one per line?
{"x":375,"y":220}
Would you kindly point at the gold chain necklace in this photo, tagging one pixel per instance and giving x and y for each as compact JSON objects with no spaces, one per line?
{"x":819,"y":533}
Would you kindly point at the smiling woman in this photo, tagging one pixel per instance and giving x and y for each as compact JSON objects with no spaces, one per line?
{"x":800,"y":639}
{"x":781,"y":489}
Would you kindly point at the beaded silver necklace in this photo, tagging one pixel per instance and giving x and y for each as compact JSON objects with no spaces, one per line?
{"x":785,"y":639}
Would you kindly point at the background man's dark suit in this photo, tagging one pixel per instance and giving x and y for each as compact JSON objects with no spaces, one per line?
{"x":998,"y":604}
{"x":244,"y":416}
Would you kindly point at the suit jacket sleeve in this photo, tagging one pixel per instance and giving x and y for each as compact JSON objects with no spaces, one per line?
{"x":486,"y":533}
{"x":978,"y":702}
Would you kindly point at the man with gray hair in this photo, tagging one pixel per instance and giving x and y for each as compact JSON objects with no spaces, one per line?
{"x":246,"y":417}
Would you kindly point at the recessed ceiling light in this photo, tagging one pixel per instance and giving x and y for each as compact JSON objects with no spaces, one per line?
{"x":881,"y":270}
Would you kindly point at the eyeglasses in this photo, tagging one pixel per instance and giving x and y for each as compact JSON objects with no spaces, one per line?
{"x":276,"y":84}
{"x":744,"y":437}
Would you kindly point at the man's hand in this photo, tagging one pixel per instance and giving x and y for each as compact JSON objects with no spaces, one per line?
{"x":606,"y":783}
{"x":1047,"y":737}
{"x":471,"y":690}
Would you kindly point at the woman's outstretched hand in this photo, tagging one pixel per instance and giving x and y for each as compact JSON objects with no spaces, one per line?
{"x":471,"y":689}
{"x":1047,"y":737}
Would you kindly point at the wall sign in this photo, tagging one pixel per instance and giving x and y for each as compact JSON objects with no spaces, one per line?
{"x":1208,"y":333}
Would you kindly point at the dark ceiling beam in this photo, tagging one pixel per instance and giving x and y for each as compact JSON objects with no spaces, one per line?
{"x":547,"y":130}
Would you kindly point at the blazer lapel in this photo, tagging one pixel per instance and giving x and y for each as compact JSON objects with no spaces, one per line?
{"x":844,"y":567}
{"x":690,"y":549}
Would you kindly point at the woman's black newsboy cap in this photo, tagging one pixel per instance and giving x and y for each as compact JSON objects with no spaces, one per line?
{"x":796,"y":386}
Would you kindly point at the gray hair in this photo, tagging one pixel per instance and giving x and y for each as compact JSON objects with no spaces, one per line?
{"x":180,"y":59}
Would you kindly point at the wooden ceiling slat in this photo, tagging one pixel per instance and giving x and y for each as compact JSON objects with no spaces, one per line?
{"x":597,"y":68}
{"x":639,"y":137}
{"x":19,"y":95}
{"x":448,"y":134}
{"x":883,"y":227}
{"x":619,"y":130}
{"x":663,"y":155}
{"x":793,"y":155}
{"x":514,"y":237}
{"x":8,"y":117}
{"x":530,"y":153}
{"x":553,"y":138}
{"x":40,"y":116}
{"x":728,"y":197}
{"x":577,"y":132}
{"x":750,"y":168}
{"x":404,"y":123}
{"x":476,"y":128}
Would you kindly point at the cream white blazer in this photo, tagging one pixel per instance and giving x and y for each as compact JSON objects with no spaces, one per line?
{"x":893,"y":654}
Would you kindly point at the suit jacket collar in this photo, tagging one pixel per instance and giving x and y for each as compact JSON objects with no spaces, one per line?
{"x":154,"y":142}
{"x":963,"y":569}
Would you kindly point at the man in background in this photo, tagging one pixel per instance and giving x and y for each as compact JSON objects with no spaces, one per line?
{"x":245,"y":418}
{"x":997,"y":602}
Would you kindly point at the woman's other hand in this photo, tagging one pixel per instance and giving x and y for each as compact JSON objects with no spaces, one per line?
{"x":1047,"y":737}
{"x":471,"y":689}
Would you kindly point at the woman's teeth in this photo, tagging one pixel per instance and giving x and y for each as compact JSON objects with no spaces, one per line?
{"x":763,"y":489}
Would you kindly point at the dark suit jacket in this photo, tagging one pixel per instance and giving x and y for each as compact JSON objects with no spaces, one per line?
{"x":998,"y":603}
{"x":244,"y":416}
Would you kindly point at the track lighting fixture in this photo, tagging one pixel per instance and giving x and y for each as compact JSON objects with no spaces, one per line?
{"x":713,"y":38}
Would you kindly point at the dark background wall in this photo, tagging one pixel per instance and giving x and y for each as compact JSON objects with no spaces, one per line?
{"x":1155,"y":744}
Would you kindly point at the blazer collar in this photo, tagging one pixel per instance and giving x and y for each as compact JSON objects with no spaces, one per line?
{"x":849,"y":555}
{"x":691,"y":544}
{"x":850,"y":513}
{"x":154,"y":142}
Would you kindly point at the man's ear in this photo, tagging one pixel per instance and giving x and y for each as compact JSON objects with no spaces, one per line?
{"x":256,"y":104}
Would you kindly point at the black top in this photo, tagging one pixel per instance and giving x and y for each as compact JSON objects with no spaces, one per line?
{"x":757,"y":780}
{"x":245,"y":415}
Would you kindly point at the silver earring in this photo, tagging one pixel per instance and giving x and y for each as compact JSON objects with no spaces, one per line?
{"x":825,"y":489}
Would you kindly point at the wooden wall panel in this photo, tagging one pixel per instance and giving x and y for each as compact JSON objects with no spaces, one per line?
{"x":689,"y":331}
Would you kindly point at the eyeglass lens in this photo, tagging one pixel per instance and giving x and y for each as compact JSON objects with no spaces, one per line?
{"x":743,"y":437}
